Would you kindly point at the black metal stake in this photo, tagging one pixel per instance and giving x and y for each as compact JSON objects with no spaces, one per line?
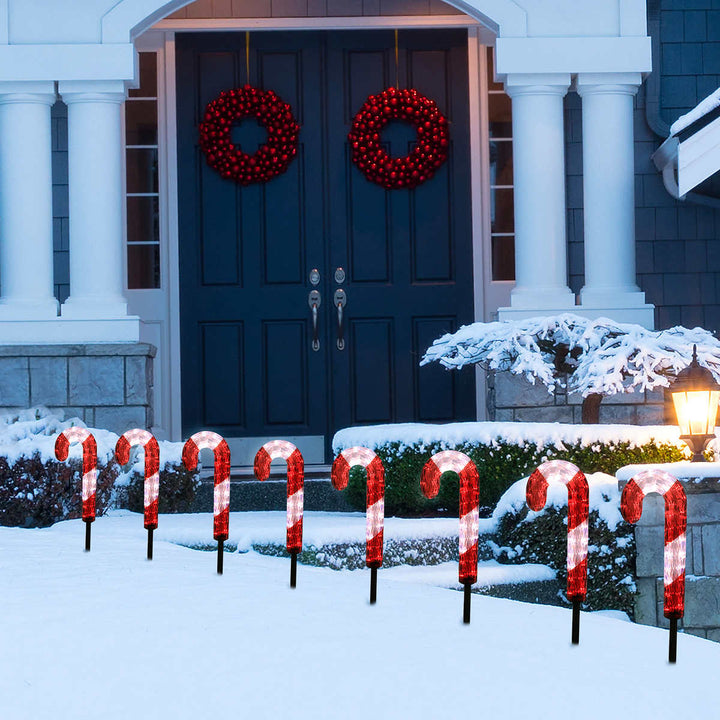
{"x":466,"y":602}
{"x":576,"y":621}
{"x":293,"y":569}
{"x":88,"y":525}
{"x":672,"y":652}
{"x":220,"y":557}
{"x":373,"y":585}
{"x":150,"y":543}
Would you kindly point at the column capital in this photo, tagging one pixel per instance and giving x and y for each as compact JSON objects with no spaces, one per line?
{"x":608,"y":83}
{"x":78,"y":91}
{"x":517,"y":84}
{"x":41,"y":93}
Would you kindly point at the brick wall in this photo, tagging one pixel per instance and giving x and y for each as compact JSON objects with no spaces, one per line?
{"x":105,"y":385}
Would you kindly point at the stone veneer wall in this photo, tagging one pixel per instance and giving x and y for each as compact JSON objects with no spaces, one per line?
{"x":702,"y":566}
{"x":512,"y":398}
{"x":108,"y":386}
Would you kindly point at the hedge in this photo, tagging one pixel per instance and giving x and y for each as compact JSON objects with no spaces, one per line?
{"x":500,"y":462}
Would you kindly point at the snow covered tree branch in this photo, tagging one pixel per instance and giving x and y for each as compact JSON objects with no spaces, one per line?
{"x":599,"y":357}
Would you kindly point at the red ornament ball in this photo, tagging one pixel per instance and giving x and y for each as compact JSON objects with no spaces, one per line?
{"x":270,"y":159}
{"x":432,"y":138}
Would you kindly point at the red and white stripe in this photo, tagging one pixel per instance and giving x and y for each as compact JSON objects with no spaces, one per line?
{"x":669,"y":487}
{"x":152,"y":469}
{"x":578,"y":510}
{"x":89,"y":478}
{"x":295,"y":482}
{"x":221,"y":493}
{"x":375,"y":502}
{"x":455,"y":461}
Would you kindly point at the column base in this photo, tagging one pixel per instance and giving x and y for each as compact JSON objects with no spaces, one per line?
{"x":28,"y":309}
{"x":64,"y":331}
{"x":621,"y":304}
{"x":88,"y":308}
{"x":541,"y":300}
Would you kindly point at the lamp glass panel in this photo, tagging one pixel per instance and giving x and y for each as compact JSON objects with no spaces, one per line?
{"x":696,"y":411}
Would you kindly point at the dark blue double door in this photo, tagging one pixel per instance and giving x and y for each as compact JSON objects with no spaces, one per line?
{"x":247,"y":254}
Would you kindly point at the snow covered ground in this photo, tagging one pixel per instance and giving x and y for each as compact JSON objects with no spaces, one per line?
{"x":108,"y":635}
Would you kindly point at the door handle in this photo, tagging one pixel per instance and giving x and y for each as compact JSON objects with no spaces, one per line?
{"x":314,"y":300}
{"x":340,"y":300}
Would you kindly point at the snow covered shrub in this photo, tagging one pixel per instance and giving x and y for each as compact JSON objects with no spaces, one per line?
{"x":598,"y":357}
{"x":502,"y":453}
{"x":34,"y":493}
{"x":351,"y":556}
{"x":524,"y":536}
{"x":36,"y":490}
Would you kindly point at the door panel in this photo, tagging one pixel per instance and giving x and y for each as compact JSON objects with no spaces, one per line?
{"x":248,"y":369}
{"x":406,"y":252}
{"x":245,"y":252}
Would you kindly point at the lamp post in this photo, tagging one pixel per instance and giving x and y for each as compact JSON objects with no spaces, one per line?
{"x":695,"y":396}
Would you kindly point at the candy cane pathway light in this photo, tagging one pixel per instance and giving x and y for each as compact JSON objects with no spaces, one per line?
{"x":221,"y":492}
{"x":89,"y":478}
{"x":631,"y":502}
{"x":151,"y":488}
{"x":452,"y":460}
{"x":295,"y":479}
{"x":375,"y":503}
{"x":577,"y":534}
{"x":695,"y":396}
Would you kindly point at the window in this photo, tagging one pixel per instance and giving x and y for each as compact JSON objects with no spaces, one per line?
{"x":502,"y":223}
{"x":142,"y":191}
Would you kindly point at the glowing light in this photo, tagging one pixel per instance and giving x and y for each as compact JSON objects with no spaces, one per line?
{"x":152,"y":469}
{"x":285,"y":450}
{"x":561,"y":471}
{"x":375,"y":499}
{"x":452,"y":460}
{"x":631,"y":503}
{"x":89,"y":479}
{"x":221,"y":491}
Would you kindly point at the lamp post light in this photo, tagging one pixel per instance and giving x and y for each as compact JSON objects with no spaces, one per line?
{"x":695,"y":396}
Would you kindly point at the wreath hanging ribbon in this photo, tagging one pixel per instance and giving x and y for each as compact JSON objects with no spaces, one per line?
{"x":372,"y":159}
{"x":272,"y":158}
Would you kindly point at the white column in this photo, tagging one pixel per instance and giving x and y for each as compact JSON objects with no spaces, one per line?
{"x":26,"y":241}
{"x":609,"y":196}
{"x":539,"y":180}
{"x":95,"y":148}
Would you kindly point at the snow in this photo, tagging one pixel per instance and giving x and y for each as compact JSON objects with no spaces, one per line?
{"x":602,"y":356}
{"x":452,"y":435}
{"x":603,"y":496}
{"x":108,"y":635}
{"x":700,"y":110}
{"x":680,"y":470}
{"x":27,"y":432}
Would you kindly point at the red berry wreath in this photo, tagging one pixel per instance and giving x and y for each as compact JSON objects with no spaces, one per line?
{"x":273,"y":114}
{"x":432,"y":138}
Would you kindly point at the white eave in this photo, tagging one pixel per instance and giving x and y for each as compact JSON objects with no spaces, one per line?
{"x":692,"y":152}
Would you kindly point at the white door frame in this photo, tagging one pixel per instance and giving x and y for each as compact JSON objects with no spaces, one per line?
{"x":162,"y":37}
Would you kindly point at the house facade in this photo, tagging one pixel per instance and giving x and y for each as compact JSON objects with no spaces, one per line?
{"x":139,"y":287}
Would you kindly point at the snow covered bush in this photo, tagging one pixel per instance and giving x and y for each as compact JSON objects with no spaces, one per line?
{"x":599,"y":357}
{"x":502,"y":453}
{"x":36,"y":490}
{"x":524,"y":536}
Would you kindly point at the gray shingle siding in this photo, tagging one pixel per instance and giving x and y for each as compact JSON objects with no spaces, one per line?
{"x":677,"y":244}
